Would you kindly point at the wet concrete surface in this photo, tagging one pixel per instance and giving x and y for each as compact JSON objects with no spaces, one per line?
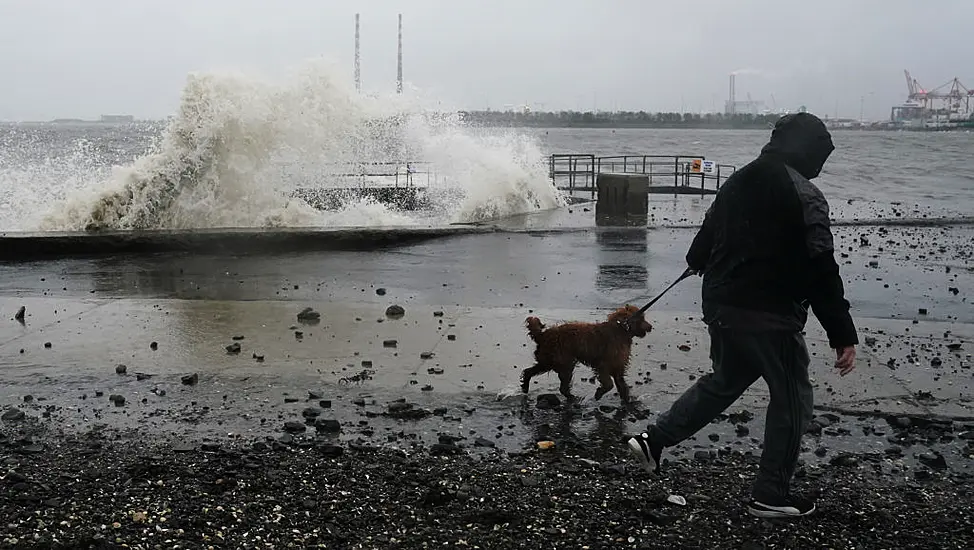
{"x":227,"y":241}
{"x":460,"y":346}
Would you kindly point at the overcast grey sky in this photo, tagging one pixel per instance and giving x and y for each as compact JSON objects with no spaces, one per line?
{"x":83,"y":58}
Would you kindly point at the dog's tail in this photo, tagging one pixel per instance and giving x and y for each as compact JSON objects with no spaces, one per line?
{"x":535,"y":327}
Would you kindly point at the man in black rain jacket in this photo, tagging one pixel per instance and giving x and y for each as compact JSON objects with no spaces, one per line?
{"x":766,"y":254}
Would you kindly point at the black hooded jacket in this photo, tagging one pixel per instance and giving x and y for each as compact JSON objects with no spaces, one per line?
{"x":766,"y":248}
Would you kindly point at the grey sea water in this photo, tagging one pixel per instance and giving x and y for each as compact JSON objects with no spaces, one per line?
{"x":924,"y":174}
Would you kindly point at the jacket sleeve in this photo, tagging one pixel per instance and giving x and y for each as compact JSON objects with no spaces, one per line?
{"x":703,"y":242}
{"x":825,"y":290}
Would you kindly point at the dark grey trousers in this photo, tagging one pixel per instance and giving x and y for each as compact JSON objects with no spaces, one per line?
{"x":739,"y":358}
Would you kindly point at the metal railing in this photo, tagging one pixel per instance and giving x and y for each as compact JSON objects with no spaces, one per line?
{"x":578,"y":172}
{"x":400,"y":173}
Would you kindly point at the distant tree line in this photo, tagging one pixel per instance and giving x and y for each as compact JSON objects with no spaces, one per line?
{"x":620,"y":119}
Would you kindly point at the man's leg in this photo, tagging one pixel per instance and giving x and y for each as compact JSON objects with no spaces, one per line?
{"x":784,"y":363}
{"x":733,"y":373}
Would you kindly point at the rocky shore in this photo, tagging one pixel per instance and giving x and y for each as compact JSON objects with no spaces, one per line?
{"x":370,"y":400}
{"x":107,"y":489}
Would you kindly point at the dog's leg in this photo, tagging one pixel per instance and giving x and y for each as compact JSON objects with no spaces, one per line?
{"x":528,"y":373}
{"x":623,"y":389}
{"x":565,"y":376}
{"x":605,"y":385}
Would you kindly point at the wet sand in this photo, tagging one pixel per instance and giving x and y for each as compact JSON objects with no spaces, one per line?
{"x":899,"y":428}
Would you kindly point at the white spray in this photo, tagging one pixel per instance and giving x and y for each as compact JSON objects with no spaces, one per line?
{"x":239,"y":146}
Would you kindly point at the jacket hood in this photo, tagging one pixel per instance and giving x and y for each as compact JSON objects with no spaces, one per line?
{"x":802,"y":141}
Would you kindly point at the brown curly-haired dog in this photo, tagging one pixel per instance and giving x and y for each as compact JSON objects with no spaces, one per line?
{"x":605,"y":347}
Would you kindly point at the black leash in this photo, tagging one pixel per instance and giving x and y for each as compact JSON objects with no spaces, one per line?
{"x":688,"y":272}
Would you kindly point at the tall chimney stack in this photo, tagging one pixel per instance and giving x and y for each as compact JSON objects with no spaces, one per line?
{"x":399,"y":70}
{"x":358,"y":66}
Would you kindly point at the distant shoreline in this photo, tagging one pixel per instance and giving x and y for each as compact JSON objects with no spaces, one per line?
{"x":590,"y":120}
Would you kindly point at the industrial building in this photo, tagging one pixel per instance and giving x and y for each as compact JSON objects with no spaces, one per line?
{"x":947,"y":106}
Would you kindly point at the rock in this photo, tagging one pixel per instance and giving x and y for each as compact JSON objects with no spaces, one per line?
{"x":19,"y":316}
{"x":183,"y":447}
{"x":426,"y":355}
{"x":311,"y":412}
{"x":140,"y":376}
{"x":154,"y":346}
{"x":529,"y":481}
{"x":702,"y":455}
{"x":190,"y":379}
{"x":742,"y":430}
{"x":325,"y":403}
{"x":390,"y":343}
{"x":47,"y":345}
{"x":483,"y":442}
{"x":683,"y":347}
{"x":330,"y":450}
{"x":821,"y":451}
{"x":451,"y":337}
{"x":399,"y":406}
{"x":233,"y":348}
{"x":844,"y":460}
{"x":548,"y":401}
{"x":714,"y":437}
{"x":312,"y":394}
{"x":903,"y":422}
{"x":328,"y":425}
{"x":661,"y":517}
{"x":28,"y":398}
{"x":870,"y":341}
{"x":12,"y":415}
{"x":119,"y":400}
{"x":308,"y":316}
{"x":380,"y":291}
{"x":395,"y":311}
{"x":31,"y":449}
{"x":742,"y":417}
{"x":437,"y":314}
{"x":955,"y":346}
{"x":294,"y":427}
{"x":439,"y":449}
{"x":933,"y":460}
{"x":822,"y":421}
{"x":922,"y":311}
{"x":677,"y":500}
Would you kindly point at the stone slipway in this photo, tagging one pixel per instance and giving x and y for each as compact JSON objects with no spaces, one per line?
{"x":230,"y":241}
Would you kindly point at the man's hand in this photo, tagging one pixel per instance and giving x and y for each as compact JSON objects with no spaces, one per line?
{"x":845,"y":359}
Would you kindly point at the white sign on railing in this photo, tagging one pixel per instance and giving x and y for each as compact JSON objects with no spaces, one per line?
{"x":700,"y":166}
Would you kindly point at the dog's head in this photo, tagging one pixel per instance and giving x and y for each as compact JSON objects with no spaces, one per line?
{"x":638,"y":326}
